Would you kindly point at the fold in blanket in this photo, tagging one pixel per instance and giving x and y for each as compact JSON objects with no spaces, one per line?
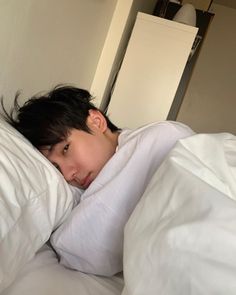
{"x":181,"y":238}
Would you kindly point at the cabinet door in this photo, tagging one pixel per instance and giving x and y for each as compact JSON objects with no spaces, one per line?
{"x":151,"y":71}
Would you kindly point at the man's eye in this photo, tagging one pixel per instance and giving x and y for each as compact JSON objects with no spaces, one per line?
{"x":65,"y":149}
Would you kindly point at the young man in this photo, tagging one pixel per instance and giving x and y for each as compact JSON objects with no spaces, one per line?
{"x":76,"y":137}
{"x":112,"y":166}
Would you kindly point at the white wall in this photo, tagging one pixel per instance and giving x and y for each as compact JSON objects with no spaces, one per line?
{"x":209,"y":104}
{"x":47,"y":42}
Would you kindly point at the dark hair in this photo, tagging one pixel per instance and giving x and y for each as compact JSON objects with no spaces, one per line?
{"x":47,"y":119}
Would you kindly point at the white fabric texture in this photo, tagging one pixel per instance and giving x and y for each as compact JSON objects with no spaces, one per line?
{"x":181,"y":237}
{"x":43,"y":275}
{"x":91,"y":239}
{"x":34,"y":200}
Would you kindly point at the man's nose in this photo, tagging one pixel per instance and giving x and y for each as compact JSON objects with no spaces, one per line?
{"x":68,"y":171}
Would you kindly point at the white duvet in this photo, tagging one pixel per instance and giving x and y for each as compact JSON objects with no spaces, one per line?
{"x":181,"y":238}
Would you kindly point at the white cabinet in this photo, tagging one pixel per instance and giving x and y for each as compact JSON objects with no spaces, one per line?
{"x":151,"y":70}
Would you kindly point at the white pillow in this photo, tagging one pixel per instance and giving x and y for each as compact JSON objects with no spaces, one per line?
{"x":34,"y":200}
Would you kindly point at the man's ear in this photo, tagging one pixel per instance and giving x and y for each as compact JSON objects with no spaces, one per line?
{"x":96,"y":120}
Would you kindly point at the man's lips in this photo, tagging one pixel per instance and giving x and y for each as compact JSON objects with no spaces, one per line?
{"x":84,"y":183}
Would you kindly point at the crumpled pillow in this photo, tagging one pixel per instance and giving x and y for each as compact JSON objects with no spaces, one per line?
{"x":34,"y":200}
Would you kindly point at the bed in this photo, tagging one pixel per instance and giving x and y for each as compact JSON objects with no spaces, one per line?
{"x":44,"y":275}
{"x":179,"y":239}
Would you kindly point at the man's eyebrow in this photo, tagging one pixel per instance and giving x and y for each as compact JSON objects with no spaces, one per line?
{"x":48,"y":148}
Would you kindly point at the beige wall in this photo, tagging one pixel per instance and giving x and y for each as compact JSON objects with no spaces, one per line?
{"x":47,"y":42}
{"x":210,"y":101}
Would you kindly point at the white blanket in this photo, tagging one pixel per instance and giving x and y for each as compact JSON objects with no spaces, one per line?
{"x":181,"y":238}
{"x":91,"y":239}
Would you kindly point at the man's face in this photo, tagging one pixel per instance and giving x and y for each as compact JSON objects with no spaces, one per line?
{"x":82,"y":155}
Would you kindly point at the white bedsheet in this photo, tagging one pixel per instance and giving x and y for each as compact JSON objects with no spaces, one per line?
{"x":181,"y":238}
{"x":45,"y":276}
